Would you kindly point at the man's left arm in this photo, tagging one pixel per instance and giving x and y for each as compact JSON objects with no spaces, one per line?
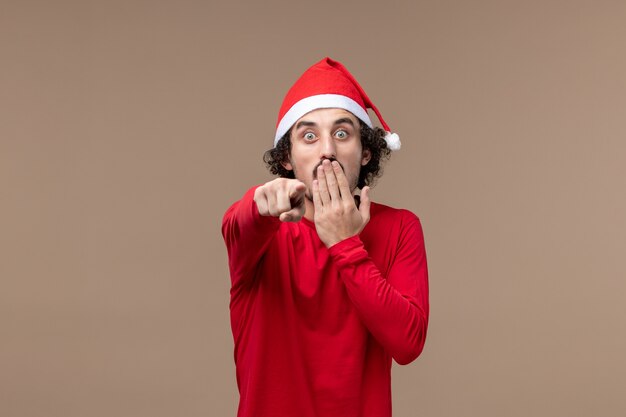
{"x":395,"y":309}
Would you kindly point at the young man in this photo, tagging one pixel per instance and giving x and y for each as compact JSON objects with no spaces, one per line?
{"x":327,"y":287}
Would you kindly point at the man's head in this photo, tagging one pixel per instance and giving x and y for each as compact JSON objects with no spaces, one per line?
{"x":325,"y":104}
{"x":319,"y":135}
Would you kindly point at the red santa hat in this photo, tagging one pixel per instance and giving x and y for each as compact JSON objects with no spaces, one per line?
{"x":328,"y":84}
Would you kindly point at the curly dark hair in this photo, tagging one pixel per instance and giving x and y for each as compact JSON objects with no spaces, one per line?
{"x":372,"y":139}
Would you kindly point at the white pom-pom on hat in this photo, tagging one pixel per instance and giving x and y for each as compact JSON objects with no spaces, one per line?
{"x":393,"y":141}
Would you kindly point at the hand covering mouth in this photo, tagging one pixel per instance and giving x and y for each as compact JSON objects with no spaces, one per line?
{"x":320,"y":163}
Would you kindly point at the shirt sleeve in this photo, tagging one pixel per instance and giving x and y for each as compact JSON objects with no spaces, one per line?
{"x":395,"y":310}
{"x":247,"y":235}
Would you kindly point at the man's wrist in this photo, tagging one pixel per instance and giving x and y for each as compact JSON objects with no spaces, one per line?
{"x":338,"y":241}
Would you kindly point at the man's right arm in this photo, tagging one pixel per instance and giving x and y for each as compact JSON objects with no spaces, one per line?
{"x":249,"y":224}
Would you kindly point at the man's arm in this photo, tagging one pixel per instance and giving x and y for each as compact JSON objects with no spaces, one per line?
{"x":395,"y":309}
{"x":249,"y":224}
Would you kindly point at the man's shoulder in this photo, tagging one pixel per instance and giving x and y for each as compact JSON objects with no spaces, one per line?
{"x":383,"y":212}
{"x":389,"y":227}
{"x":391,"y":221}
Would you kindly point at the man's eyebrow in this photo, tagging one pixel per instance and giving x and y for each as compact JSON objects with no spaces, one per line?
{"x":312,"y":124}
{"x":344,"y":120}
{"x":304,"y":123}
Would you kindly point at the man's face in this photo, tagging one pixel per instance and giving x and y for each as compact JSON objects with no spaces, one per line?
{"x":326,"y":134}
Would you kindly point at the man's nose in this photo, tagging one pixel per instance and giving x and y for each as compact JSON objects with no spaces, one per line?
{"x":328,"y":148}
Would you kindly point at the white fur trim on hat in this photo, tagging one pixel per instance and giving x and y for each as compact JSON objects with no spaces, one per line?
{"x":320,"y":101}
{"x":393,"y":141}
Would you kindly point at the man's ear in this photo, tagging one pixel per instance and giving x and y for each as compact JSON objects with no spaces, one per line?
{"x":287,"y":165}
{"x":367,"y":156}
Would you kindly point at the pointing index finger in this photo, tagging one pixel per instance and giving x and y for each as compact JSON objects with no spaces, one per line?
{"x":295,"y":189}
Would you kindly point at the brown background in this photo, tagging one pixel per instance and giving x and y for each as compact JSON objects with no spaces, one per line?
{"x":128,"y":127}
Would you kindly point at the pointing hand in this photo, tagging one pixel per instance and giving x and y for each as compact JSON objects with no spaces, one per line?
{"x":282,"y":198}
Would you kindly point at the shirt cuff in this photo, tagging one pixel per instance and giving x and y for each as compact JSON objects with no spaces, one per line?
{"x":349,"y":251}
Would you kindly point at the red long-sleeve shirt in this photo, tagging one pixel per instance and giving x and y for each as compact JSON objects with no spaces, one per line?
{"x":315,"y":329}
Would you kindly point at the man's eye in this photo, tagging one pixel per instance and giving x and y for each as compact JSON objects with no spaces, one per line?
{"x":341,"y":134}
{"x":309,"y":136}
